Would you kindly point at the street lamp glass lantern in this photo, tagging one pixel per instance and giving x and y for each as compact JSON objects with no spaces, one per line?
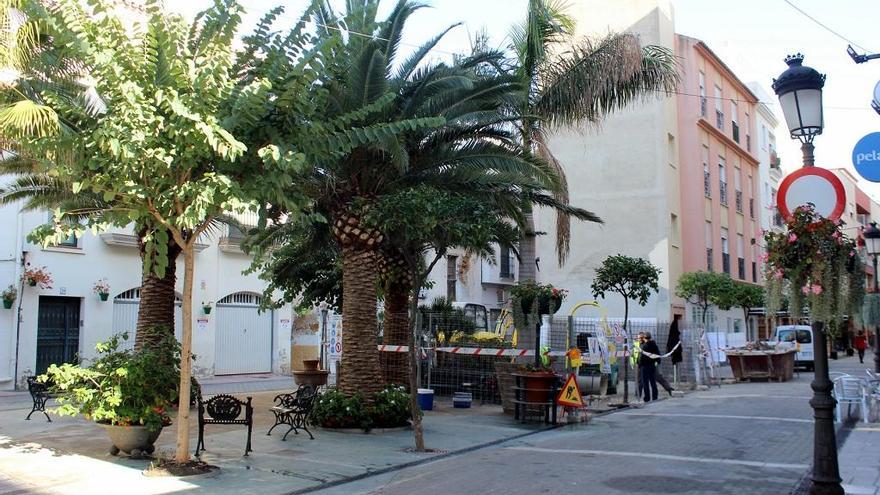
{"x":872,"y":239}
{"x":799,"y":89}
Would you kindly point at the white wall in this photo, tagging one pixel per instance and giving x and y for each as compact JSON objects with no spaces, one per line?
{"x":217,"y":274}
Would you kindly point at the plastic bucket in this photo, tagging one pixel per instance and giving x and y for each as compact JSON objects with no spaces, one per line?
{"x":462,"y":399}
{"x":426,"y":399}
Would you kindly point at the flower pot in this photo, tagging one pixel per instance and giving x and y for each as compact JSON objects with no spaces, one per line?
{"x":315,"y":378}
{"x":311,"y":364}
{"x":103,"y":296}
{"x":32,"y":282}
{"x":546,"y":305}
{"x":134,"y":440}
{"x":7,"y":303}
{"x":537,"y":385}
{"x":206,"y":309}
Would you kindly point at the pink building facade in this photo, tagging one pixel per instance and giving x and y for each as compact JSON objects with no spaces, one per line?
{"x":720,"y":199}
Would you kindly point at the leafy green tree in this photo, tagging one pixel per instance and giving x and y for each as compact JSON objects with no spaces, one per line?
{"x":158,"y":152}
{"x":741,"y":295}
{"x":632,"y":278}
{"x":569,"y":81}
{"x":703,"y":289}
{"x":425,"y":223}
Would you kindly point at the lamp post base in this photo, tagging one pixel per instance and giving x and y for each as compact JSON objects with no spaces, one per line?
{"x":826,"y":472}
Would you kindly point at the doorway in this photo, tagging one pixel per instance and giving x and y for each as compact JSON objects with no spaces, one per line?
{"x":57,"y":331}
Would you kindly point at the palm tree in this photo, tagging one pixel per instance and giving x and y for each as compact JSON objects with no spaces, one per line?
{"x":569,"y":81}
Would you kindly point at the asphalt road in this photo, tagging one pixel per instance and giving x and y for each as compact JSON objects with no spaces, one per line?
{"x":742,"y":438}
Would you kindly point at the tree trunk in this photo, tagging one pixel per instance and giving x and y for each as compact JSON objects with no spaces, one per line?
{"x":182,"y":454}
{"x":360,"y":371}
{"x":626,"y":351}
{"x":418,"y":431}
{"x":397,"y":324}
{"x":156,"y":310}
{"x":528,"y":250}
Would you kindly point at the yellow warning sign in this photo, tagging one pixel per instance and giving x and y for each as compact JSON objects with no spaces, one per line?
{"x":570,"y":395}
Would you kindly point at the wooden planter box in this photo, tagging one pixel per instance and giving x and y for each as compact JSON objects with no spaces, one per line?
{"x":764,"y":365}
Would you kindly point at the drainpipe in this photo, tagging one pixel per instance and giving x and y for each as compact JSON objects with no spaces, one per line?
{"x":21,"y":258}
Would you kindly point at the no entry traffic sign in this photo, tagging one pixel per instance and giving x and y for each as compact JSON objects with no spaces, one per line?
{"x":812,"y":185}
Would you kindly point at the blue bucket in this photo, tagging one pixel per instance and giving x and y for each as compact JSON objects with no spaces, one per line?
{"x":426,"y":399}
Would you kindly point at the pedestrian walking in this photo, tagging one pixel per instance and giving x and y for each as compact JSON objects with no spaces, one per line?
{"x":634,"y":360}
{"x":648,"y":367}
{"x":860,"y":342}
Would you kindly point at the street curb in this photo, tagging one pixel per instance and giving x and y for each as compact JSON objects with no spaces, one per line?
{"x":802,"y":487}
{"x":418,"y":462}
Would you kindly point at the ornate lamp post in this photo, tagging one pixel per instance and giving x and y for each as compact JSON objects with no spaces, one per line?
{"x":799,"y":89}
{"x":872,"y":246}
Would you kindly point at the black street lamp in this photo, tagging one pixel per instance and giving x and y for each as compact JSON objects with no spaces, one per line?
{"x":872,"y":246}
{"x":799,"y":89}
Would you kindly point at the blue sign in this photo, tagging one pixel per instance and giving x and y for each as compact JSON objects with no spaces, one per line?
{"x":866,"y":157}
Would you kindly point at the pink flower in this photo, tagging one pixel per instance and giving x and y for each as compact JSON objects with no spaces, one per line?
{"x":792,"y":237}
{"x":852,"y":253}
{"x":835,"y":235}
{"x":816,"y":289}
{"x":765,"y":257}
{"x":805,"y":289}
{"x":778,"y":274}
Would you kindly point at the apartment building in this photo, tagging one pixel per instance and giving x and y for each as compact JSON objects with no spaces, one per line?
{"x":64,"y":322}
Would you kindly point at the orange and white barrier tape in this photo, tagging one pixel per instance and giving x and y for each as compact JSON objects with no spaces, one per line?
{"x":473,"y":351}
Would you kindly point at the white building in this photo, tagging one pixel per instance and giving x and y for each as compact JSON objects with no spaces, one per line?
{"x":770,"y":172}
{"x":67,"y":320}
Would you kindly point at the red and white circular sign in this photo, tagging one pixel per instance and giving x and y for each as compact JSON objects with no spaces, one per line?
{"x":812,"y":185}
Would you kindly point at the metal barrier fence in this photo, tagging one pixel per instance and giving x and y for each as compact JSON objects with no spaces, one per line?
{"x":453,"y":360}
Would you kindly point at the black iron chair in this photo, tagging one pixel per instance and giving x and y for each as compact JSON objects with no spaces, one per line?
{"x":224,"y":410}
{"x":294,"y":409}
{"x":40,"y":395}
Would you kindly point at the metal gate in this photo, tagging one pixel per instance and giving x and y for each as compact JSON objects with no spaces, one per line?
{"x":244,"y":336}
{"x":125,"y":311}
{"x":57,"y":331}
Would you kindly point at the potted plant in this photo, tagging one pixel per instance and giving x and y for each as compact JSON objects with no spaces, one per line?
{"x":537,"y":380}
{"x":206,"y":307}
{"x":126,"y":392}
{"x":532,"y":297}
{"x":102,"y":288}
{"x":37,"y":276}
{"x":9,"y":296}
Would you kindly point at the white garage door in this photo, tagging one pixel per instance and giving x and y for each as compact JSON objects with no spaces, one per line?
{"x":125,"y":311}
{"x":244,"y":336}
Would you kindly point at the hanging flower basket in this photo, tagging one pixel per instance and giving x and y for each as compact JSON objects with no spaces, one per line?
{"x":32,"y":282}
{"x":103,"y":295}
{"x":530,"y":296}
{"x":37,"y":276}
{"x":7,"y":303}
{"x":102,"y":289}
{"x":206,"y":309}
{"x":9,"y":296}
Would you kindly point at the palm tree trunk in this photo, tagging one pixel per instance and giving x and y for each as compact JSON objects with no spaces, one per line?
{"x":528,"y":250}
{"x":360,"y":371}
{"x":155,"y":318}
{"x":394,"y":364}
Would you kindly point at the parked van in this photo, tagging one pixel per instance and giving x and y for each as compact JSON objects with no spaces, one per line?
{"x":800,"y":337}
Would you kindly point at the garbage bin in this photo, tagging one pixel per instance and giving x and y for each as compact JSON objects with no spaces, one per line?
{"x":426,"y":399}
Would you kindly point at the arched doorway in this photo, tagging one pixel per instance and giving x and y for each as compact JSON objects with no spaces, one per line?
{"x":125,"y":311}
{"x":244,"y":335}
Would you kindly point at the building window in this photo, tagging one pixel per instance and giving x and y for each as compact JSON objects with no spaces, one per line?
{"x":741,"y":260}
{"x":734,"y":120}
{"x":722,"y":181}
{"x":737,"y":187}
{"x":754,"y":261}
{"x":709,"y":245}
{"x":707,"y":175}
{"x":719,"y":109}
{"x":702,"y":94}
{"x":747,"y":129}
{"x":725,"y":251}
{"x":71,"y":241}
{"x":451,"y":277}
{"x":777,"y":218}
{"x":504,"y":261}
{"x":751,"y":198}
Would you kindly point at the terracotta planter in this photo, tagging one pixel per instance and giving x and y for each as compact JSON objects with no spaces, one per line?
{"x":135,"y":441}
{"x":311,"y":364}
{"x":546,"y":305}
{"x":7,"y":303}
{"x":537,"y":384}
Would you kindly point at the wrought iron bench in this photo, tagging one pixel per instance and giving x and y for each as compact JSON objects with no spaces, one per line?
{"x":293,"y":410}
{"x":224,"y":410}
{"x":40,"y":395}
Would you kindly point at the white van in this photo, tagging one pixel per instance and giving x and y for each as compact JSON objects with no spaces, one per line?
{"x":800,"y":337}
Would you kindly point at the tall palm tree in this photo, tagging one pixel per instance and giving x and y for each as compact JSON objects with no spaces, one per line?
{"x":569,"y":80}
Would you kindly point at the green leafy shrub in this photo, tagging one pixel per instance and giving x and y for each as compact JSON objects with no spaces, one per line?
{"x":121,"y":387}
{"x":388,"y":409}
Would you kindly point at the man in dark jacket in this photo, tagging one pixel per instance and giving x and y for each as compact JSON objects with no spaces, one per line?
{"x":648,"y":367}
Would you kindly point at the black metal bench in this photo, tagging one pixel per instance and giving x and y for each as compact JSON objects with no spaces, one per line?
{"x":224,"y":410}
{"x":294,"y":409}
{"x":40,"y":394}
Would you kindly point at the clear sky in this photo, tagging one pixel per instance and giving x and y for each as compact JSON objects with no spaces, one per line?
{"x":751,"y":36}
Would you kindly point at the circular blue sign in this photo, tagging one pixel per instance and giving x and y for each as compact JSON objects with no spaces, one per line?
{"x":866,"y":157}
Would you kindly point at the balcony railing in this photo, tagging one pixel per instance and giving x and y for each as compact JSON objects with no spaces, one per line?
{"x":709,"y":259}
{"x":735,"y":131}
{"x":741,"y":268}
{"x":719,"y":120}
{"x":707,"y":183}
{"x":738,"y":198}
{"x":723,"y":192}
{"x":725,"y":262}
